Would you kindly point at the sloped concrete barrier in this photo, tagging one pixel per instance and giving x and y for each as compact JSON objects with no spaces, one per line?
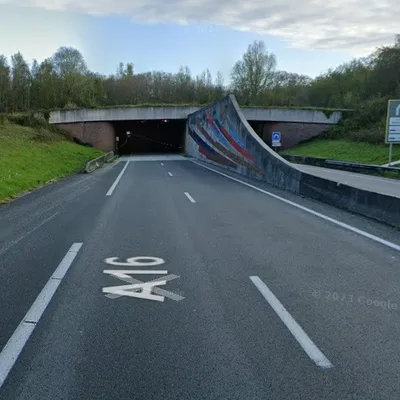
{"x":98,"y":162}
{"x":219,"y":134}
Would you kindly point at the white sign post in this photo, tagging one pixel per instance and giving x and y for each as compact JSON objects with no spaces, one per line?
{"x":392,"y":125}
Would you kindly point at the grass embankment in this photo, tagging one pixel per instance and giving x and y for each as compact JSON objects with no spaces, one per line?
{"x":31,"y":156}
{"x":359,"y":137}
{"x":343,"y":150}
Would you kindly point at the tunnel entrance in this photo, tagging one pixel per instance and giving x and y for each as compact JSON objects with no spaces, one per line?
{"x":257,"y":127}
{"x":150,"y":136}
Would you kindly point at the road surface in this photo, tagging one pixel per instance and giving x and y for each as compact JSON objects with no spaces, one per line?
{"x":260,"y":299}
{"x":376,"y":184}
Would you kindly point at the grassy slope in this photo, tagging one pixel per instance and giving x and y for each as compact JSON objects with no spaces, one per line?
{"x":31,"y":157}
{"x":346,"y":151}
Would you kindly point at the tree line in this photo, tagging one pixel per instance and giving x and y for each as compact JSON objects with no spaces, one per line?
{"x":64,"y":81}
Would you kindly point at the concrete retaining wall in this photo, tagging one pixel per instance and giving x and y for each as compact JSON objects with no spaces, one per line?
{"x":220,"y":135}
{"x":292,"y":133}
{"x":100,"y":134}
{"x":378,"y":206}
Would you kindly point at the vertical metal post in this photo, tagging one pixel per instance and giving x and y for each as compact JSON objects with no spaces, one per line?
{"x":390,"y":153}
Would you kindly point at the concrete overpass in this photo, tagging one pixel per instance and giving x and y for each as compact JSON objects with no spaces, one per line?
{"x":177,"y":112}
{"x":101,"y":126}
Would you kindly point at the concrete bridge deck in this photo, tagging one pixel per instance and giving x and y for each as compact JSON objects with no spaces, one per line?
{"x":182,"y":112}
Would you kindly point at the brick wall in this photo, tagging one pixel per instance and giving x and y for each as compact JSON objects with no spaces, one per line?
{"x":292,"y":133}
{"x":100,"y":134}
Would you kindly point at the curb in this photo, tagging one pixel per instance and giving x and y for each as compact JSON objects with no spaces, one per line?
{"x":98,"y":162}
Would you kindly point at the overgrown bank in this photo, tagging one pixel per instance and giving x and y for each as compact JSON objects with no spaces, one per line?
{"x":345,"y":150}
{"x":33,"y":153}
{"x":359,"y":137}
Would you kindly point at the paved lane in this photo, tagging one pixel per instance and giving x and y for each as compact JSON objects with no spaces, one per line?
{"x":214,"y":336}
{"x":387,"y":186}
{"x":35,"y":232}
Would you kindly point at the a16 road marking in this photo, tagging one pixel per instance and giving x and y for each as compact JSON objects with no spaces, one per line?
{"x":142,"y":290}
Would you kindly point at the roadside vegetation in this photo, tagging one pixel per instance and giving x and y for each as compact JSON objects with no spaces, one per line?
{"x":33,"y":153}
{"x":345,"y":150}
{"x":64,"y":81}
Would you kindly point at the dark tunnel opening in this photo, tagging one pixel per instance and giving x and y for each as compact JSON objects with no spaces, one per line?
{"x":150,"y":136}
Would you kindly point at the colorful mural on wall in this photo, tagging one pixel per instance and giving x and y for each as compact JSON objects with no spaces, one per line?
{"x":220,"y":136}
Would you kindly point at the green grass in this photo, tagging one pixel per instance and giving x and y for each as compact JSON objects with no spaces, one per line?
{"x":31,"y":157}
{"x":343,"y":150}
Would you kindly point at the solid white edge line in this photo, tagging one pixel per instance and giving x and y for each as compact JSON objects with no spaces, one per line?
{"x":170,"y":174}
{"x":19,"y":338}
{"x":114,"y":185}
{"x":296,"y":330}
{"x":191,"y":199}
{"x":377,"y":239}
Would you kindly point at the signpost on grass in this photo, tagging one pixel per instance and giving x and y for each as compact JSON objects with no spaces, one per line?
{"x":392,"y":135}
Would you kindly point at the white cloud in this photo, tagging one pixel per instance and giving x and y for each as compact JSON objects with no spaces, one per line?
{"x":355,"y":25}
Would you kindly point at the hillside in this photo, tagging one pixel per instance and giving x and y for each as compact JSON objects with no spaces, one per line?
{"x":34,"y":154}
{"x":359,"y":137}
{"x":345,"y":150}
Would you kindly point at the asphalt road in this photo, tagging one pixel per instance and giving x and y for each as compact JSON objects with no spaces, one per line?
{"x":371,"y":183}
{"x":261,"y":300}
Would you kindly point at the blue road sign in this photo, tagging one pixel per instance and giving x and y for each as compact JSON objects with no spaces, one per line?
{"x":276,"y":136}
{"x":276,"y":139}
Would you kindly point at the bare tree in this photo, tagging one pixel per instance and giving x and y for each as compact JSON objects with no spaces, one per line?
{"x":254,"y":72}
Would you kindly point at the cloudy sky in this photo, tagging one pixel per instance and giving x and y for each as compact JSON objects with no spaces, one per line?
{"x":307,"y":36}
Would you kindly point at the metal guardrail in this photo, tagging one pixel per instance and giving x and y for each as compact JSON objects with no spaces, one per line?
{"x":342,"y":165}
{"x":98,"y":162}
{"x":370,"y":167}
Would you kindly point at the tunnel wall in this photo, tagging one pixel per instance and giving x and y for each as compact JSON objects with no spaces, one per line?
{"x":292,"y":133}
{"x":99,"y":134}
{"x":220,"y":135}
